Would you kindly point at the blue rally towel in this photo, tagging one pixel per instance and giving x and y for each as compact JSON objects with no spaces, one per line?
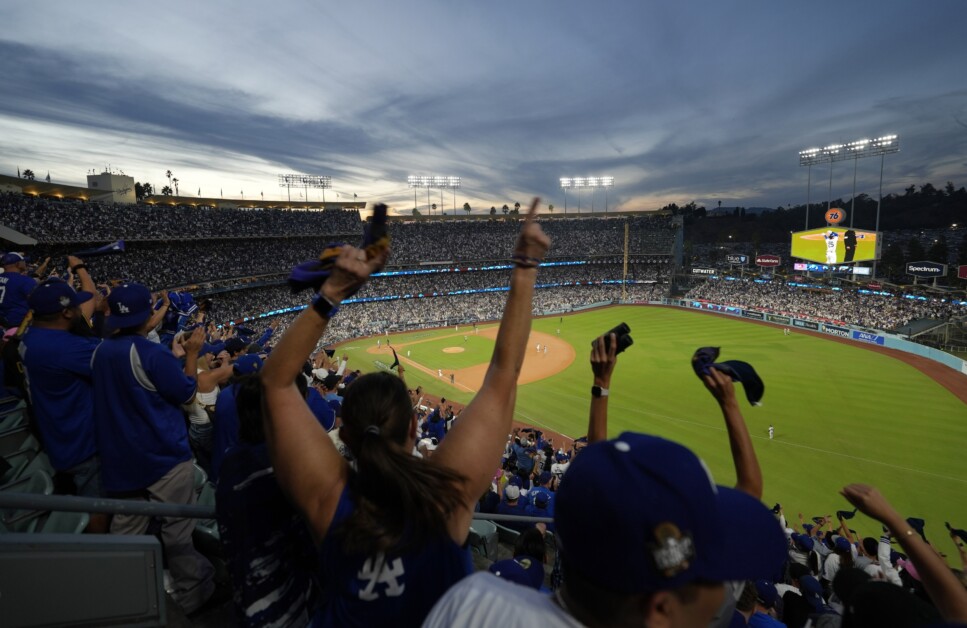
{"x":314,"y":273}
{"x":704,"y":360}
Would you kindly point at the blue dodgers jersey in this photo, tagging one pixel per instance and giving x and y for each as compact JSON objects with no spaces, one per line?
{"x":224,"y":428}
{"x":267,"y":544}
{"x":384,"y":590}
{"x":14,"y":289}
{"x":57,"y":368}
{"x":139,"y":388}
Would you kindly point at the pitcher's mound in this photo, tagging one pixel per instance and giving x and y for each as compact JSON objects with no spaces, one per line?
{"x":453,"y":350}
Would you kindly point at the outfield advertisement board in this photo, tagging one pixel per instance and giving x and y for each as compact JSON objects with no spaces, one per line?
{"x":836,"y":330}
{"x":703,"y":271}
{"x":798,"y":322}
{"x":736,"y":258}
{"x":822,"y":268}
{"x":875,"y":339}
{"x":962,"y":272}
{"x":836,"y":245}
{"x":753,"y":314}
{"x":926,"y":269}
{"x":767,"y":260}
{"x":776,"y":318}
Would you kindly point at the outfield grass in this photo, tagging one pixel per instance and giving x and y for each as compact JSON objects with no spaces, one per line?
{"x":841,"y":413}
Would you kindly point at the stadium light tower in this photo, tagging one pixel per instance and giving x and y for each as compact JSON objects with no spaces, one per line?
{"x":879,"y":147}
{"x":587,"y":182}
{"x":437,"y":181}
{"x":305,"y":181}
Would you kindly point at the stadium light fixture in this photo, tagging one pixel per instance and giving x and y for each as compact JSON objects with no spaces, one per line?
{"x":879,"y":147}
{"x":318,"y":182}
{"x":434,"y":182}
{"x":587,"y":182}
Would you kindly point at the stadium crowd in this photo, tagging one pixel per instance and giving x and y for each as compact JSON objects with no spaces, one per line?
{"x":65,"y":221}
{"x":844,"y":306}
{"x":236,"y":304}
{"x":347,"y":499}
{"x":223,"y":243}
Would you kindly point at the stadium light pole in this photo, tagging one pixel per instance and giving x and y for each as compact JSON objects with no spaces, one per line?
{"x":807,"y":158}
{"x":606,"y":182}
{"x":579,"y":183}
{"x":566,"y":182}
{"x":453,"y":183}
{"x":882,"y":146}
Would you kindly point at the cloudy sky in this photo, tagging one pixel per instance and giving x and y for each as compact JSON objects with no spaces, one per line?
{"x":679,"y":101}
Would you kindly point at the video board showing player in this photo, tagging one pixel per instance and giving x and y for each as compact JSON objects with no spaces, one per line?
{"x":836,"y":245}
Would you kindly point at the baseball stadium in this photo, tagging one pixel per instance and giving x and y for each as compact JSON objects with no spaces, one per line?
{"x":471,"y":315}
{"x":847,"y":389}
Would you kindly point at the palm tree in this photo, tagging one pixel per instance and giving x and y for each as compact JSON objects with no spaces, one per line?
{"x":432,"y":208}
{"x":166,"y":190}
{"x":493,"y":210}
{"x":28,"y":174}
{"x":466,"y":208}
{"x":168,"y":174}
{"x":550,"y":208}
{"x":505,"y":209}
{"x":148,"y":189}
{"x":517,"y":208}
{"x":175,"y":181}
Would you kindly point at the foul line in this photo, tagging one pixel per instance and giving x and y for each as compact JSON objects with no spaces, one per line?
{"x":719,"y":428}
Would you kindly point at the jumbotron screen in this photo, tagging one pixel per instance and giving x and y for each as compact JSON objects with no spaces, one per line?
{"x":836,"y":245}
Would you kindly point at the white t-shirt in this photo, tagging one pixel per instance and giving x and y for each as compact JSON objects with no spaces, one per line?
{"x":483,"y":599}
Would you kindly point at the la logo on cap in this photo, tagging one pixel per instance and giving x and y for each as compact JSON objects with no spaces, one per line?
{"x":123,"y":309}
{"x":673,"y":551}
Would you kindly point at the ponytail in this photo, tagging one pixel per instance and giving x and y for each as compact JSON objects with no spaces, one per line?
{"x":401,"y":501}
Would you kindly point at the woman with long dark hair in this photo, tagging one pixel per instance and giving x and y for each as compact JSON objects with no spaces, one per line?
{"x":391,"y":532}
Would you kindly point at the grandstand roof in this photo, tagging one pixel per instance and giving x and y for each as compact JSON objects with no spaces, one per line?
{"x":197,"y":201}
{"x":56,"y":190}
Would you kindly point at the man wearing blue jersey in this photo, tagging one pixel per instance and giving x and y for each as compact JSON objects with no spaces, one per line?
{"x":56,"y":354}
{"x":15,"y":286}
{"x":139,"y":388}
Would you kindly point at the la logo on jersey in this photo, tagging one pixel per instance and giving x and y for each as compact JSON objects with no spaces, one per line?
{"x":377,"y":571}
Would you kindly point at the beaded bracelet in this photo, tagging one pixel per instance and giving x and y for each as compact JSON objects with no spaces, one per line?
{"x":522,"y":261}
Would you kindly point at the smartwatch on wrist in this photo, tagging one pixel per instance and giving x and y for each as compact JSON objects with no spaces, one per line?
{"x":597,"y":391}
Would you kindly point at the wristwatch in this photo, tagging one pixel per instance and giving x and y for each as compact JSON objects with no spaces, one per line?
{"x":597,"y":391}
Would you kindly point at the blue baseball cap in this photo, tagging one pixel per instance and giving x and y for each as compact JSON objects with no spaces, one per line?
{"x":9,"y":259}
{"x":842,"y":543}
{"x":812,"y":591}
{"x":248,"y":364}
{"x":54,"y":296}
{"x":766,"y":593}
{"x":802,"y":541}
{"x":130,"y":304}
{"x":675,"y":524}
